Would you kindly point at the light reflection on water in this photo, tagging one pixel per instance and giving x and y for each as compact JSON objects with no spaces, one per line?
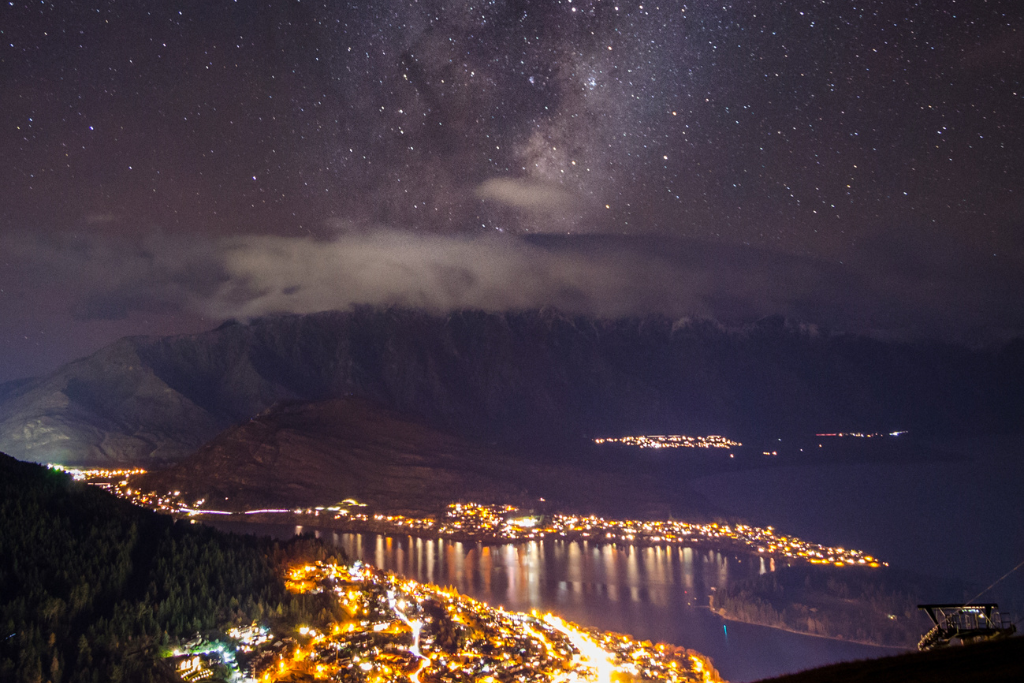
{"x":538,"y":574}
{"x":652,"y":593}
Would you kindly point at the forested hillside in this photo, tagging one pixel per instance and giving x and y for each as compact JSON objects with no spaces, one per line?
{"x":877,"y":606}
{"x":92,"y":588}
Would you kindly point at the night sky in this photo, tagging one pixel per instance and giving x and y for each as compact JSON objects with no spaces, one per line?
{"x":167,"y":165}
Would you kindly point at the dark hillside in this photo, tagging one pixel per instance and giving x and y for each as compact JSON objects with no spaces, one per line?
{"x":992,"y":662}
{"x":300,"y":454}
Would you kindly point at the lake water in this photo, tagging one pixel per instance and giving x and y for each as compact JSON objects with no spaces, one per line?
{"x":656,"y":593}
{"x":959,"y":518}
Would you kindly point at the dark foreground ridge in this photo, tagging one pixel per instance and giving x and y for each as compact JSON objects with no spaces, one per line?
{"x":991,"y":662}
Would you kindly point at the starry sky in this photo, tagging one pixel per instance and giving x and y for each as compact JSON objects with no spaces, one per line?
{"x":167,"y":165}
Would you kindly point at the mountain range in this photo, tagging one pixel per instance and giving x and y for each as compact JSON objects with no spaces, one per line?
{"x":537,"y":382}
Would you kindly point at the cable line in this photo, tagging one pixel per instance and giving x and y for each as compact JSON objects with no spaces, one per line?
{"x":995,"y":582}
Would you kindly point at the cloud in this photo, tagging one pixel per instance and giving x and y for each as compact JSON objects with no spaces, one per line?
{"x":526,"y":195}
{"x":99,"y":218}
{"x":440,"y":273}
{"x":603,"y":275}
{"x":106,"y":277}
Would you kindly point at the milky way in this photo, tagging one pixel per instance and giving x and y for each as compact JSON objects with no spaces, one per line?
{"x":806,"y":124}
{"x":827,"y":130}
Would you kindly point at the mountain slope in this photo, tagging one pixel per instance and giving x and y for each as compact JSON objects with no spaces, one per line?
{"x":523,"y":378}
{"x":108,"y":407}
{"x":303,"y":454}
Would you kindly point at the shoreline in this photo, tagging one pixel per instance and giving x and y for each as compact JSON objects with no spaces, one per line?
{"x":721,"y":613}
{"x":384,"y":529}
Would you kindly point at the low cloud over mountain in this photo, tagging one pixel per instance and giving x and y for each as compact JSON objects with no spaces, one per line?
{"x":882,"y":290}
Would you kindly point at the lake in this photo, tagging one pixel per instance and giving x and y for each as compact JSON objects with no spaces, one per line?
{"x":960,"y":517}
{"x":652,"y":593}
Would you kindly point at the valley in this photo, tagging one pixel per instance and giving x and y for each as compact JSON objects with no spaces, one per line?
{"x":586,"y":468}
{"x":511,"y":341}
